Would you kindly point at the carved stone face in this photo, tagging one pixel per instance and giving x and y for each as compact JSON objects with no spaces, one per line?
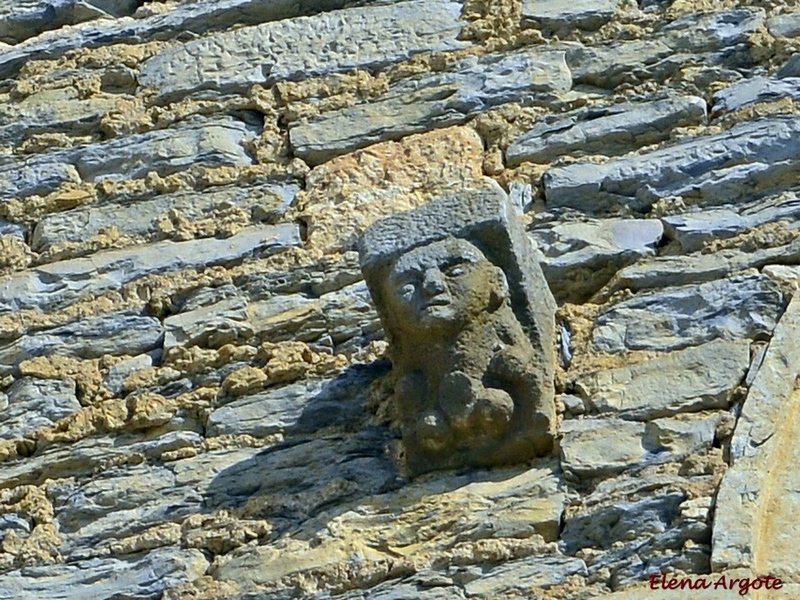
{"x":439,"y":286}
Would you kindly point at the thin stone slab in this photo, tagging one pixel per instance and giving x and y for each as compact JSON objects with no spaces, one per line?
{"x":695,"y":379}
{"x":36,"y":403}
{"x":610,"y":130}
{"x":138,"y":577}
{"x":212,"y":143}
{"x":139,"y":218}
{"x":52,"y":285}
{"x":751,"y":157}
{"x":22,"y":19}
{"x":609,"y":65}
{"x":713,"y":31}
{"x":564,"y":15}
{"x":89,"y":338}
{"x":785,"y":25}
{"x":586,"y":450}
{"x":521,"y":576}
{"x":192,"y":17}
{"x":362,"y":37}
{"x":744,"y":306}
{"x":472,"y":86}
{"x":754,"y":91}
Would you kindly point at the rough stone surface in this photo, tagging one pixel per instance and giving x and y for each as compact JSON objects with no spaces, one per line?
{"x":734,"y":165}
{"x":35,"y":403}
{"x":367,"y":37}
{"x":613,"y":130}
{"x":694,"y":379}
{"x":556,"y":15}
{"x":466,"y":288}
{"x":475,"y":85}
{"x":746,"y":305}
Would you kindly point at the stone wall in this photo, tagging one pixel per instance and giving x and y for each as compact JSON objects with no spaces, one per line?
{"x":194,"y":401}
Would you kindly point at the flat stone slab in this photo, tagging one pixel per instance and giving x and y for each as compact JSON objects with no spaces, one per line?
{"x":558,"y":15}
{"x":140,"y":576}
{"x":610,"y":130}
{"x":362,"y":37}
{"x":695,"y":379}
{"x":211,"y":143}
{"x":742,"y":306}
{"x":59,"y":282}
{"x":749,"y":158}
{"x":139,"y":218}
{"x":472,"y":86}
{"x":579,"y":258}
{"x":89,"y":338}
{"x":753,"y":91}
{"x":587,"y":453}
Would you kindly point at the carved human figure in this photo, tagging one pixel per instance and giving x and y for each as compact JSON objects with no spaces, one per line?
{"x":467,"y":379}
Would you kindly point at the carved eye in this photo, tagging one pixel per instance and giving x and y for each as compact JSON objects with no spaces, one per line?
{"x":455,"y":271}
{"x":407,"y":290}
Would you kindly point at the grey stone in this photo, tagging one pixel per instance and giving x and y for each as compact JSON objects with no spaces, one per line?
{"x":695,"y":379}
{"x":785,"y":25}
{"x":115,"y":378}
{"x":520,"y":576}
{"x":211,"y":326}
{"x":610,"y":130}
{"x":697,"y":268}
{"x":754,"y":490}
{"x":211,"y":143}
{"x":682,"y":436}
{"x":361,"y":37}
{"x":707,"y":32}
{"x":693,"y":230}
{"x":88,"y":338}
{"x":738,"y":163}
{"x":193,"y":17}
{"x":621,"y":522}
{"x":586,"y":451}
{"x":610,"y":65}
{"x":742,"y":306}
{"x":752,"y":91}
{"x":474,"y":85}
{"x":458,"y":276}
{"x":579,"y":258}
{"x":563,"y":15}
{"x":138,"y":577}
{"x":790,"y":69}
{"x":36,"y":403}
{"x":56,"y":283}
{"x":23,"y":19}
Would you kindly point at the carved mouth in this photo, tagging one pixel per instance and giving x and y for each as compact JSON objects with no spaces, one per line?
{"x":438,"y":301}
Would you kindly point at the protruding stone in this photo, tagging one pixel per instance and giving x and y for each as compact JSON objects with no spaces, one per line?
{"x":564,"y":15}
{"x":470,"y":322}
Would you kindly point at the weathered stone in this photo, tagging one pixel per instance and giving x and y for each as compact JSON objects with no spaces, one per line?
{"x":754,"y":526}
{"x":708,"y":32}
{"x":139,"y":577}
{"x":459,"y":278}
{"x":306,"y":46}
{"x":36,"y":403}
{"x":87,"y":338}
{"x":683,"y":435}
{"x":609,"y":65}
{"x":563,"y":15}
{"x":791,"y":69}
{"x":580,"y":258}
{"x":142,"y":218}
{"x":609,"y":130}
{"x":115,"y":378}
{"x":25,"y":19}
{"x":212,"y":326}
{"x":743,"y":306}
{"x":474,"y":85}
{"x":695,"y":379}
{"x":520,"y":576}
{"x":698,"y":268}
{"x":693,"y":230}
{"x":785,"y":25}
{"x":587,"y":453}
{"x":753,"y":91}
{"x":57,"y":283}
{"x":748,"y":158}
{"x":215,"y":142}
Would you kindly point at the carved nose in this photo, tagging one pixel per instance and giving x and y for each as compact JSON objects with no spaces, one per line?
{"x":433,"y":283}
